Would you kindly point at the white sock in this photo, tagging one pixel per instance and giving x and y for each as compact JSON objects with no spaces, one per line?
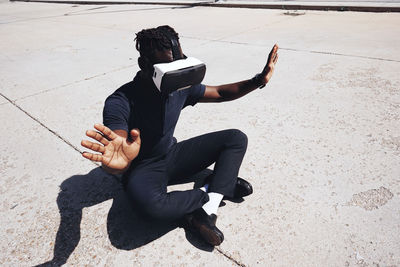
{"x":212,"y":205}
{"x":204,"y":188}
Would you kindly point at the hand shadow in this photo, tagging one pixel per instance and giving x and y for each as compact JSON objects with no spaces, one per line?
{"x":127,"y":228}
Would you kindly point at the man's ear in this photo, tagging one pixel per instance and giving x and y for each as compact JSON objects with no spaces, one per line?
{"x":145,"y":65}
{"x":183,"y":55}
{"x":141,"y":63}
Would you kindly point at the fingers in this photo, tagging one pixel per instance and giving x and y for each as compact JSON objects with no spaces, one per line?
{"x":106,"y":131}
{"x":272,"y":57}
{"x":93,"y":146}
{"x":274,"y":52}
{"x":276,"y":58}
{"x":274,"y":49}
{"x":135,"y":135}
{"x":97,"y":136}
{"x":93,"y":157}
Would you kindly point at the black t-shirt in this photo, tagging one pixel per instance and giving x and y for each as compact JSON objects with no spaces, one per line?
{"x":139,"y":104}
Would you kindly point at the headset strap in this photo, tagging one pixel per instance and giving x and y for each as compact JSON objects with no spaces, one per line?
{"x":174,"y":45}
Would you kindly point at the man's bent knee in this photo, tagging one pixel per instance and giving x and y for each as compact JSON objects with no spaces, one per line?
{"x":156,"y":208}
{"x":239,"y":138}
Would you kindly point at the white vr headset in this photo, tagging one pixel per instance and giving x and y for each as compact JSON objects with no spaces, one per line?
{"x":178,"y":74}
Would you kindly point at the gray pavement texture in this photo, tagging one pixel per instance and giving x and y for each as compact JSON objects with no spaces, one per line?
{"x":345,"y":5}
{"x":324,"y":141}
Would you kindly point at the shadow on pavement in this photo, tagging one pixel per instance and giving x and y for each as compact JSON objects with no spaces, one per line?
{"x":127,"y":228}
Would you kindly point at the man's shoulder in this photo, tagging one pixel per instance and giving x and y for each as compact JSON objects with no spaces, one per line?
{"x":127,"y":90}
{"x":120,"y":99}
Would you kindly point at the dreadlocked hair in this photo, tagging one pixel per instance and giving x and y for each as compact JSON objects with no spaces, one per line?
{"x":149,"y":40}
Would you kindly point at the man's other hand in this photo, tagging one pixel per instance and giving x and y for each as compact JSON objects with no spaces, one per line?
{"x":269,"y":67}
{"x":116,"y":151}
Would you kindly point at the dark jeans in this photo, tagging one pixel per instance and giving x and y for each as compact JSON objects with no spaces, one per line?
{"x":147,"y":182}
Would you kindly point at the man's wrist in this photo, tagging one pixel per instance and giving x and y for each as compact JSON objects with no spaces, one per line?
{"x":114,"y":171}
{"x":258,"y":80}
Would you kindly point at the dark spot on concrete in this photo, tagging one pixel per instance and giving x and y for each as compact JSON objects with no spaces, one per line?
{"x":294,"y":13}
{"x":371,"y":199}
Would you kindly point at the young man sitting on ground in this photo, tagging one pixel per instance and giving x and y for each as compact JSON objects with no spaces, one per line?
{"x":137,"y":140}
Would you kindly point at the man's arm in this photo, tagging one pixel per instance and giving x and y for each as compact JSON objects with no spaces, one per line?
{"x":115,"y":141}
{"x":228,"y":92}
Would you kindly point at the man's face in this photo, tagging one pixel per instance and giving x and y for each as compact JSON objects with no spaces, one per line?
{"x":165,"y":56}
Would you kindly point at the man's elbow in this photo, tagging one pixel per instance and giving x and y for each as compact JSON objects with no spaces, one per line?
{"x":214,"y":100}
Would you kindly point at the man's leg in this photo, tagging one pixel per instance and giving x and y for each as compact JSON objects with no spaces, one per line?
{"x":147,"y":187}
{"x":147,"y":184}
{"x":226,"y":149}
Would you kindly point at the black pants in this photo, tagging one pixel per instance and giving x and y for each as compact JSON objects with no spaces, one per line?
{"x":147,"y":182}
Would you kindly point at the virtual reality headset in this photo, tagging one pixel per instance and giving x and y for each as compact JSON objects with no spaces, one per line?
{"x":179,"y":74}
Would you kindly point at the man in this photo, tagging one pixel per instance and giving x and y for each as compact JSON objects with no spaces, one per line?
{"x":137,"y":140}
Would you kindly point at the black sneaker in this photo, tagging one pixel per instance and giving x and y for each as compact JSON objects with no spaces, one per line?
{"x":204,"y":224}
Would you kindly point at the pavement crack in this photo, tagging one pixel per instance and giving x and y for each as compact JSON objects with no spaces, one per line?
{"x":338,"y":54}
{"x":230,"y":257}
{"x":41,"y":124}
{"x":76,"y":13}
{"x":292,"y":49}
{"x":75,"y":82}
{"x":120,"y":11}
{"x":89,"y":9}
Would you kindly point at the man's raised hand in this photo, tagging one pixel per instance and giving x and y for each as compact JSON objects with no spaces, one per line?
{"x":116,"y":152}
{"x":270,"y":66}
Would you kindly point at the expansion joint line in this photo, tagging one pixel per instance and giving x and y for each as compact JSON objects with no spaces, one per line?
{"x":291,"y":49}
{"x":42,"y":124}
{"x":225,"y":254}
{"x":75,"y":82}
{"x":338,"y":54}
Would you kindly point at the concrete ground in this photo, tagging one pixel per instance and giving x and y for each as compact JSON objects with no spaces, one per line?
{"x":323,"y":5}
{"x":324,"y":141}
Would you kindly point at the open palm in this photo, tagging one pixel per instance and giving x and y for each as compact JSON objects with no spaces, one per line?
{"x":270,"y":66}
{"x":117,"y":152}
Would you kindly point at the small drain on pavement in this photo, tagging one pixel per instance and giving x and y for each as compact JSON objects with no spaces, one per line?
{"x":294,"y":13}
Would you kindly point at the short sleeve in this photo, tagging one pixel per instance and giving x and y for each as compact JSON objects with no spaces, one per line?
{"x":195,"y":92}
{"x":116,"y":112}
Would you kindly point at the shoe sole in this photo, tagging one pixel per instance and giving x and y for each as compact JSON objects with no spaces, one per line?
{"x":243,"y":188}
{"x":210,"y":236}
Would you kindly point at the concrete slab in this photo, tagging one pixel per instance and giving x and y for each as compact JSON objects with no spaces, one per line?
{"x":79,"y":105}
{"x":189,"y":21}
{"x":3,"y":100}
{"x":73,"y":54}
{"x":331,"y":32}
{"x":54,"y":64}
{"x":82,"y":101}
{"x":314,"y":145}
{"x":57,"y":207}
{"x":359,"y":6}
{"x":323,"y":152}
